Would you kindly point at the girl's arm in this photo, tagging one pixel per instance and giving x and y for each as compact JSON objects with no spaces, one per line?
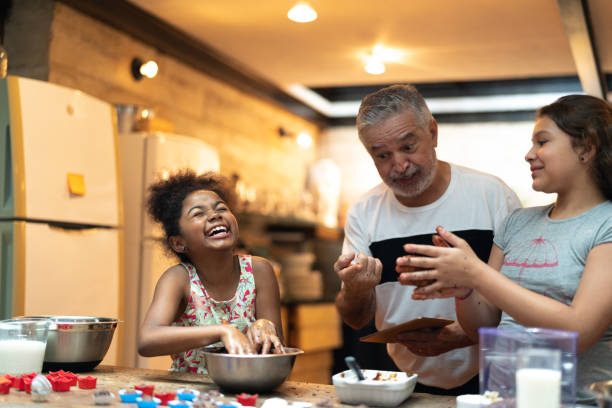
{"x":589,"y":314}
{"x":267,"y":308}
{"x":473,"y":310}
{"x":476,"y":311}
{"x":157,"y":336}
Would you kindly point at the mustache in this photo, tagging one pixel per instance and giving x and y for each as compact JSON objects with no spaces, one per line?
{"x":409,"y":172}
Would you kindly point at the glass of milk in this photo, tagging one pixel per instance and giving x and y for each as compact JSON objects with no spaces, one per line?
{"x":22,"y":345}
{"x":538,"y":378}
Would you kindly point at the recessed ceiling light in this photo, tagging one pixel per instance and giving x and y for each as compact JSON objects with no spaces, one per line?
{"x":375,"y":60}
{"x":387,"y":54}
{"x":374,"y":66}
{"x":302,"y":13}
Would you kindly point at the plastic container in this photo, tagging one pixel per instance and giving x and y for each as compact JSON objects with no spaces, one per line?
{"x":147,"y":403}
{"x":129,"y":396}
{"x":498,"y":358}
{"x":187,"y":394}
{"x":179,"y":404}
{"x":380,"y":388}
{"x":22,"y":345}
{"x":103,"y":397}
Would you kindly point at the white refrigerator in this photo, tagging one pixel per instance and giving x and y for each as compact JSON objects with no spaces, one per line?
{"x":60,"y":204}
{"x":146,"y":157}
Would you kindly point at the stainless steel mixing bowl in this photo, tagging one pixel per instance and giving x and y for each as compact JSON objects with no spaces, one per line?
{"x":252,"y":373}
{"x":603,"y":390}
{"x":77,"y":343}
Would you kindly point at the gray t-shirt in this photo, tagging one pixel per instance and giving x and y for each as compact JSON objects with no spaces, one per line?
{"x":548,"y":257}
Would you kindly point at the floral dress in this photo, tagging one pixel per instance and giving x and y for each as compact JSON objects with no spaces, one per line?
{"x":203,"y":310}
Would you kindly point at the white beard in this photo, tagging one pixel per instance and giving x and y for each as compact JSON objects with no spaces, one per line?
{"x":422,"y":184}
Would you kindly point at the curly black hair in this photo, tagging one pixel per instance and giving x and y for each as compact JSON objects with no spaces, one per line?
{"x":165,"y":201}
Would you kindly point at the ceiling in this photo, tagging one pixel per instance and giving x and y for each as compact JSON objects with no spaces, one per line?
{"x":441,"y":41}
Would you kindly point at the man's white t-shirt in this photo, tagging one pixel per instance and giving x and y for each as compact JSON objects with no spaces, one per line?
{"x":473,"y":207}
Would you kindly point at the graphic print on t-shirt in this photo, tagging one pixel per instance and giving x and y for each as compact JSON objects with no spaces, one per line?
{"x":535,"y":253}
{"x":389,"y":250}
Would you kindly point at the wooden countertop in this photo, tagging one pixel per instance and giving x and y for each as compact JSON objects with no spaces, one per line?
{"x":114,"y":378}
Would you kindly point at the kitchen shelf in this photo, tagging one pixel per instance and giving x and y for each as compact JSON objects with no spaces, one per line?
{"x":275,"y":223}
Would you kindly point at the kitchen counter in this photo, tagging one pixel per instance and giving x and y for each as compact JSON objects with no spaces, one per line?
{"x":114,"y":378}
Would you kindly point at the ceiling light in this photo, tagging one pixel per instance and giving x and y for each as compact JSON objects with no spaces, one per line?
{"x":302,"y":13}
{"x":387,"y":54}
{"x":304,"y":140}
{"x":374,"y":66}
{"x":375,"y":60}
{"x":142,"y":69}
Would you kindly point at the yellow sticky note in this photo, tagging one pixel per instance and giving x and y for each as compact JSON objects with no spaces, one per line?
{"x":76,"y":184}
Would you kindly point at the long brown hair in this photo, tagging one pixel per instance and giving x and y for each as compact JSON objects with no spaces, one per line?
{"x":588,"y":122}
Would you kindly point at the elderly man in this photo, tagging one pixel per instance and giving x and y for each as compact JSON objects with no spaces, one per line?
{"x":418,"y":193}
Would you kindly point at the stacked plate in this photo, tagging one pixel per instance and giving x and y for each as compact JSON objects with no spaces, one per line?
{"x":299,"y":281}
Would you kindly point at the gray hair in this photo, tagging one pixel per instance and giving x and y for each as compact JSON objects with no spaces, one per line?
{"x":379,"y":105}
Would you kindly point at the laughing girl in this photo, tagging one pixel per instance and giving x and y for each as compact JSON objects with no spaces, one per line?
{"x":212,"y":295}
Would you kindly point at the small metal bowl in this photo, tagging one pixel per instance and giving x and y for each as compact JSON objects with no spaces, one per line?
{"x":77,"y":343}
{"x":603,"y":391}
{"x":251,"y":373}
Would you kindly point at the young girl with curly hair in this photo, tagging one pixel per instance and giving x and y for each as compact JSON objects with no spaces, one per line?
{"x":212,"y":295}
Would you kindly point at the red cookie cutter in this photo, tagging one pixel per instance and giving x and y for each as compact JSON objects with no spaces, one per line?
{"x":147,"y":389}
{"x":87,"y":383}
{"x":248,"y":400}
{"x":165,"y":397}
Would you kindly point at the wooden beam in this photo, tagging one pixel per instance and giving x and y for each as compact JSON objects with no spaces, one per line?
{"x":155,"y":32}
{"x":576,"y":19}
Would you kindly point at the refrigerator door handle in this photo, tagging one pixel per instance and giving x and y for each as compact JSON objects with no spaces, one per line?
{"x":76,"y":227}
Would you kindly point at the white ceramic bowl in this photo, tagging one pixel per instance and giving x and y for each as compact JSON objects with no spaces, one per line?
{"x":380,"y":388}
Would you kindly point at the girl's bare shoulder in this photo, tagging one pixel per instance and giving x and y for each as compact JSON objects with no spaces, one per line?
{"x":176,"y":275}
{"x":262,"y":267}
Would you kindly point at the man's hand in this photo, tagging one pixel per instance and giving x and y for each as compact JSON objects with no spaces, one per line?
{"x":356,"y":301}
{"x":433,"y":342}
{"x":361,"y":276}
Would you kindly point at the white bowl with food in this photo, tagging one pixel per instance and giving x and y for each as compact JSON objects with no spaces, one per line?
{"x":379,"y":388}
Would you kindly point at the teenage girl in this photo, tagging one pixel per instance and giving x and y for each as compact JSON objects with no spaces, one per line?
{"x":555,"y":260}
{"x":212,"y":295}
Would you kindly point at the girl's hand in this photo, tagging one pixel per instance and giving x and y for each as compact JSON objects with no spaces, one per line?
{"x":262,"y":335}
{"x":452,"y":268}
{"x":402,"y":265}
{"x":234,"y":341}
